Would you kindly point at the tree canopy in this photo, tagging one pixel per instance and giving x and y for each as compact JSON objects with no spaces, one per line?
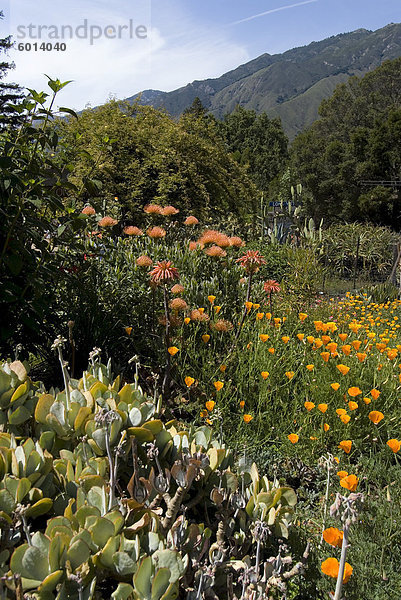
{"x":142,"y":155}
{"x":257,"y":142}
{"x":357,"y":140}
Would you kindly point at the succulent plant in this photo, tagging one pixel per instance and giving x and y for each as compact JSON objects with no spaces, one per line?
{"x":142,"y":508}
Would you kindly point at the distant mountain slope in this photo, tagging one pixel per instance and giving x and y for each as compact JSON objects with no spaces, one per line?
{"x":289,"y":85}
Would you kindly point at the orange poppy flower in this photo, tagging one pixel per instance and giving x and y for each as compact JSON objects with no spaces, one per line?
{"x":345,"y":419}
{"x":242,"y":404}
{"x":310,"y":367}
{"x":326,"y":427}
{"x":333,"y":536}
{"x":322,"y":407}
{"x":394,"y":445}
{"x":248,"y":305}
{"x":211,"y":299}
{"x":310,"y":339}
{"x":376,"y":416}
{"x":247,"y":418}
{"x":285,"y":339}
{"x":187,"y":320}
{"x":361,"y":356}
{"x":265,"y":374}
{"x":259,"y":316}
{"x":343,"y":369}
{"x":341,"y":411}
{"x":352,"y":405}
{"x":300,"y":336}
{"x":293,"y":437}
{"x":271,"y":350}
{"x":350,"y":482}
{"x":318,"y":343}
{"x":346,"y":350}
{"x":210,"y":405}
{"x":335,"y":386}
{"x":203,"y":413}
{"x":309,"y":405}
{"x":206,"y":338}
{"x":356,"y":344}
{"x":345,"y":445}
{"x":189,"y":381}
{"x":343,"y":336}
{"x":289,"y":374}
{"x":172,"y":350}
{"x":264,"y":337}
{"x":217,"y":309}
{"x":223,"y":368}
{"x":342,"y":474}
{"x":331,"y":567}
{"x":218,"y":385}
{"x":325,"y":356}
{"x":302,"y":316}
{"x":375,"y":394}
{"x":354,"y":391}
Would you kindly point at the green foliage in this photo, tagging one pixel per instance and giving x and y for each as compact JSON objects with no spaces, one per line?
{"x":357,"y":138}
{"x":257,"y":142}
{"x":125,"y":493}
{"x":142,"y":155}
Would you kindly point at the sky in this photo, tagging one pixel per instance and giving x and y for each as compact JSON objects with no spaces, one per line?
{"x":116,"y":48}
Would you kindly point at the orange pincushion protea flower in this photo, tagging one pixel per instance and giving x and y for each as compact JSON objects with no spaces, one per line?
{"x":333,"y":536}
{"x":144,"y":261}
{"x":131,"y":230}
{"x":350,"y":482}
{"x":168,"y":211}
{"x":164,"y":271}
{"x":210,"y":236}
{"x":251,"y":261}
{"x":394,"y":445}
{"x":345,"y":445}
{"x":331,"y":567}
{"x":215,"y":251}
{"x":177,"y":289}
{"x":156,"y":233}
{"x":88,"y":210}
{"x":236,"y":241}
{"x":271,"y":286}
{"x":222,"y":325}
{"x":376,"y":416}
{"x":191,"y":220}
{"x":107,"y":222}
{"x":153,"y":209}
{"x":178,"y":304}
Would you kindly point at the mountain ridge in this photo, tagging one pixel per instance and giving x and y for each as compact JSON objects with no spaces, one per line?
{"x":289,"y":85}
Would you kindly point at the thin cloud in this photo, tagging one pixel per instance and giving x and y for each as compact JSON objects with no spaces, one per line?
{"x":273,"y":10}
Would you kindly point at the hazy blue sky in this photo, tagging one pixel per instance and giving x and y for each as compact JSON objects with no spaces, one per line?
{"x":186,"y":40}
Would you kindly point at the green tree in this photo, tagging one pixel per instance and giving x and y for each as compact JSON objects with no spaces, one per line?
{"x":357,"y":139}
{"x":10,"y":93}
{"x":257,"y":142}
{"x":142,"y":155}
